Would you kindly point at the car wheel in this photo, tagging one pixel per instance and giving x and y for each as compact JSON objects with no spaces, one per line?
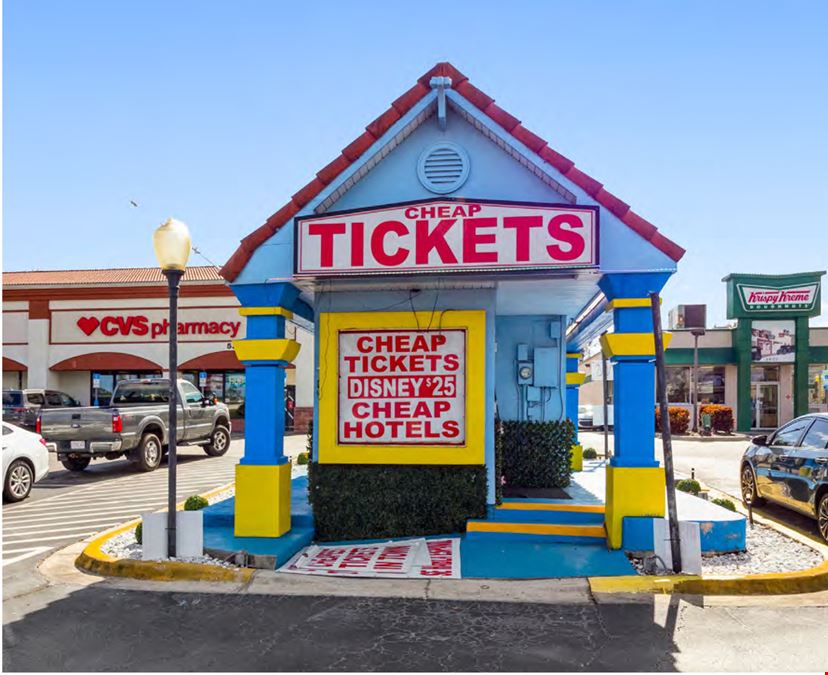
{"x":19,"y":481}
{"x":750,"y":496}
{"x":76,"y":463}
{"x":148,"y":453}
{"x":822,"y":516}
{"x":219,"y":442}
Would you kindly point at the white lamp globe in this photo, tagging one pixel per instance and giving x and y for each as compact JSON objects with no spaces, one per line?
{"x":172,"y":245}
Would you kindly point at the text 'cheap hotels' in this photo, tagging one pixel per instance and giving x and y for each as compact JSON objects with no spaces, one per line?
{"x":402,"y":387}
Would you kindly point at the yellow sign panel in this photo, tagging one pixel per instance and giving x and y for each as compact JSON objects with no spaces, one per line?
{"x":402,"y":387}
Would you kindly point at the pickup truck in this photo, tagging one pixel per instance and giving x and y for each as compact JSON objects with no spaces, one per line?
{"x":135,"y":425}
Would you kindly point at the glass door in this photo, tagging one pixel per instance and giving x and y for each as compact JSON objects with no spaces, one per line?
{"x":765,"y":401}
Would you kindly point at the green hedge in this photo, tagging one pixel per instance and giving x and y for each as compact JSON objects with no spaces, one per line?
{"x":537,"y":454}
{"x":498,"y":461}
{"x":364,"y":501}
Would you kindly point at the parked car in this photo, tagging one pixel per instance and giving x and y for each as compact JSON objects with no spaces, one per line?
{"x":135,"y":425}
{"x":22,"y":406}
{"x":790,"y":467}
{"x":25,"y":461}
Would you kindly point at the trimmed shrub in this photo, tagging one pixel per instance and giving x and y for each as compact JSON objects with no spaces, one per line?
{"x":538,"y":454}
{"x":498,"y":461}
{"x":721,"y":417}
{"x":366,"y":501}
{"x":302,"y":458}
{"x":679,"y":419}
{"x":195,"y":503}
{"x":309,"y":441}
{"x":590,"y":453}
{"x":689,"y":485}
{"x":139,"y":533}
{"x":724,"y":503}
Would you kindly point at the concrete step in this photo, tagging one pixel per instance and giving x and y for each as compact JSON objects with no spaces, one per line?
{"x":555,"y":532}
{"x":534,"y":512}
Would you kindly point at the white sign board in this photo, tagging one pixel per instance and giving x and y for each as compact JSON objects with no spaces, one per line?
{"x":447,"y":236}
{"x":402,"y":387}
{"x":763,"y":299}
{"x":195,"y":324}
{"x":411,"y":559}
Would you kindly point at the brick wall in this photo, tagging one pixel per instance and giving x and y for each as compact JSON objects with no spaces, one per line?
{"x":301,"y":418}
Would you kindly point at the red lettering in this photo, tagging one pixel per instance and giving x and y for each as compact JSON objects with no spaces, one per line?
{"x":567,"y":236}
{"x":378,"y":243}
{"x":435,"y":240}
{"x":451,"y":429}
{"x":107,"y":327}
{"x":364,"y":344}
{"x":326,"y":233}
{"x":472,"y":239}
{"x":522,"y":225}
{"x":357,"y":244}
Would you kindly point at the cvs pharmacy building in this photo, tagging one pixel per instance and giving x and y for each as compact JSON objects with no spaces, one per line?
{"x":81,"y":331}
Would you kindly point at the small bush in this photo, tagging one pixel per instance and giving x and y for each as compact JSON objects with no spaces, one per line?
{"x":721,"y":417}
{"x":679,"y":419}
{"x":590,"y":453}
{"x":689,"y":485}
{"x":538,"y":454}
{"x":725,"y":503}
{"x":195,"y":503}
{"x":302,"y":458}
{"x":139,"y":533}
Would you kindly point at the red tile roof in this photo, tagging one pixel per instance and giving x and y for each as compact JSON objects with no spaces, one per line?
{"x":109,"y":277}
{"x":461,"y":84}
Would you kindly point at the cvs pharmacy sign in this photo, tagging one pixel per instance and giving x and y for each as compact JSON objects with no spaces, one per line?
{"x":447,"y":236}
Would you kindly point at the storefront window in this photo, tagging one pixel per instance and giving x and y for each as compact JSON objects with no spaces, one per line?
{"x":711,"y":384}
{"x":103,"y":394}
{"x":817,"y":393}
{"x":678,"y":384}
{"x":226,"y":386}
{"x":764,"y":373}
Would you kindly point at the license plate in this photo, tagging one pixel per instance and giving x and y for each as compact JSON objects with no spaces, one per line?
{"x":77,"y":445}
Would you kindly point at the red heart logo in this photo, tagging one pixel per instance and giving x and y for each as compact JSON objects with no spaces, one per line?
{"x":88,"y":324}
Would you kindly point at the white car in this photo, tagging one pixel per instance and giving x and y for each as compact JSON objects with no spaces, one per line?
{"x":25,"y":461}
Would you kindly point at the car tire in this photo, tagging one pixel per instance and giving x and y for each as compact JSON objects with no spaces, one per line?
{"x":147,"y":456}
{"x":750,"y":495}
{"x":19,"y":481}
{"x":822,"y":516}
{"x":219,"y":442}
{"x":76,"y":463}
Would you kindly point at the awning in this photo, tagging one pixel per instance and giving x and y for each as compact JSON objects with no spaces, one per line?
{"x":10,"y":365}
{"x":223,"y":360}
{"x":107,"y":361}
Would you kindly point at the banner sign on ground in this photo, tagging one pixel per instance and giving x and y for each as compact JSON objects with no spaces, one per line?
{"x":402,"y":387}
{"x":447,"y":236}
{"x":408,"y":559}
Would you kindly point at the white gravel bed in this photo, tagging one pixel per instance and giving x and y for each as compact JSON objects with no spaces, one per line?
{"x":124,"y":547}
{"x":767,"y":551}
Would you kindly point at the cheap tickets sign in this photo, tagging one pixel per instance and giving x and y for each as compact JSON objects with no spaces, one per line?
{"x":402,"y":387}
{"x":445,"y":236}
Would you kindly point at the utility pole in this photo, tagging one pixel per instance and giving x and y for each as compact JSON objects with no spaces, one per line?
{"x":697,"y":333}
{"x":666,"y":439}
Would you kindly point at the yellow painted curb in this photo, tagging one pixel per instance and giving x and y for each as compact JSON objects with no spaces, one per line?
{"x":94,"y":560}
{"x":777,"y":583}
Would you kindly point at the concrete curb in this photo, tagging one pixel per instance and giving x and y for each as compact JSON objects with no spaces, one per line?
{"x":94,"y":560}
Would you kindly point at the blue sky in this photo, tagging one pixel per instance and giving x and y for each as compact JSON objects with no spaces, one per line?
{"x":707,"y":117}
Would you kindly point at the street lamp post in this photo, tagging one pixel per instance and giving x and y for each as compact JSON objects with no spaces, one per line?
{"x":697,"y":333}
{"x":172,"y":248}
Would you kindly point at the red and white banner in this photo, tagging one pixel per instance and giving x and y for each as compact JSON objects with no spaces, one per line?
{"x":402,"y":387}
{"x":409,"y":559}
{"x":446,"y":236}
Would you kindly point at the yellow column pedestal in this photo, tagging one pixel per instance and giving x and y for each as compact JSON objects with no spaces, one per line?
{"x":632,"y":491}
{"x":577,"y":462}
{"x":262,"y":500}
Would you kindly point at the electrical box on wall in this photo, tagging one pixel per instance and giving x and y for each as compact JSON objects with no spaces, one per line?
{"x":546,"y":367}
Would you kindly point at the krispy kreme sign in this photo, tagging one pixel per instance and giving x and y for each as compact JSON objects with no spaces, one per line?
{"x":447,"y":236}
{"x":760,"y":298}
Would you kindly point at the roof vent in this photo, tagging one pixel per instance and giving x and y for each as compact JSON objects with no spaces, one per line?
{"x":443,"y":168}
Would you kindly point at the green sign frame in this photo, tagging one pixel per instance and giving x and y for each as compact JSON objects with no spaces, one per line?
{"x":770,"y":296}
